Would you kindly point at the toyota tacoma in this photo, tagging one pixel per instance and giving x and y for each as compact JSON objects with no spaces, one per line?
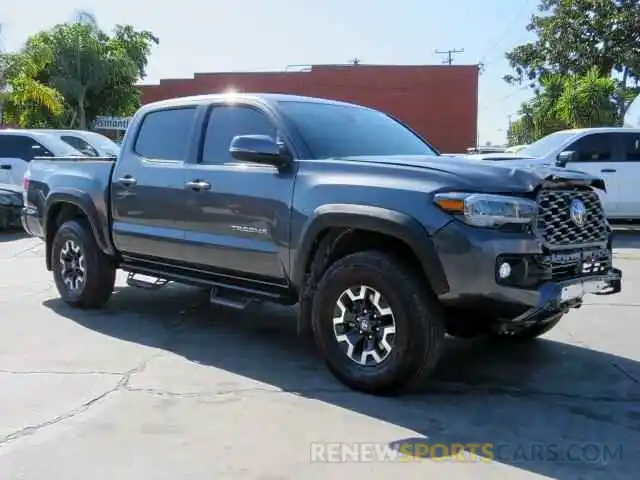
{"x":385,"y":245}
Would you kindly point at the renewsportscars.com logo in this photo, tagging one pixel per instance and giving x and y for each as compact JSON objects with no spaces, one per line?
{"x":338,"y":452}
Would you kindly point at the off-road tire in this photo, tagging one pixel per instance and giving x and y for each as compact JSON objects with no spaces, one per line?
{"x":419,"y":334}
{"x":100,"y":269}
{"x":529,"y":333}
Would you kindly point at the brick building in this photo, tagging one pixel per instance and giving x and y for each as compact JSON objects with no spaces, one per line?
{"x":440,"y":102}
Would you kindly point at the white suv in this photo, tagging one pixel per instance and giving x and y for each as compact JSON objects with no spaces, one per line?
{"x":19,"y":147}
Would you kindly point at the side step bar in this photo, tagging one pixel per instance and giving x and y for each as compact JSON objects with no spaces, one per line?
{"x":133,"y":280}
{"x":227,"y":299}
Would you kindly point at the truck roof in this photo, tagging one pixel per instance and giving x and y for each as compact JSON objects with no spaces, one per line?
{"x":264,"y":97}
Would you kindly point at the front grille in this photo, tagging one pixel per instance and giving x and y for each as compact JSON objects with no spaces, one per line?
{"x":554,"y":223}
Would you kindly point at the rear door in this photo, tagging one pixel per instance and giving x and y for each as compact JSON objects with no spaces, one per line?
{"x":598,"y":155}
{"x":240,"y":221}
{"x":629,"y":175}
{"x":16,"y":151}
{"x":147,"y":189}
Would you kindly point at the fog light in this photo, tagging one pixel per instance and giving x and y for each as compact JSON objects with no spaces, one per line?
{"x":505,"y":270}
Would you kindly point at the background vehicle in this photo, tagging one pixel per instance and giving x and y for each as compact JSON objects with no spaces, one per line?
{"x":10,"y":206}
{"x":334,"y":206}
{"x":612,"y":153}
{"x":19,"y":147}
{"x":89,"y":143}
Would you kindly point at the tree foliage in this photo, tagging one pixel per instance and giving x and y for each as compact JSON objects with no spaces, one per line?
{"x":565,"y":101}
{"x":90,"y":72}
{"x":576,"y":36}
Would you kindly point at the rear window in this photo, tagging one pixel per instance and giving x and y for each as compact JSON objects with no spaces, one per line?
{"x":165,"y":134}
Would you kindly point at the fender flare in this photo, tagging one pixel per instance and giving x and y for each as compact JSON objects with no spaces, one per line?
{"x":381,"y":220}
{"x":82,"y":200}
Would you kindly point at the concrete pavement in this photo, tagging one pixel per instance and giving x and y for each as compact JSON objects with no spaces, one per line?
{"x":161,"y":386}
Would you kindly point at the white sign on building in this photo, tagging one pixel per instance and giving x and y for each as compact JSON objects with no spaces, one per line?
{"x":111,"y":123}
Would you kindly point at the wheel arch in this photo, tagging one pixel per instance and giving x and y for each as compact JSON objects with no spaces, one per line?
{"x":63,"y":206}
{"x":335,"y":219}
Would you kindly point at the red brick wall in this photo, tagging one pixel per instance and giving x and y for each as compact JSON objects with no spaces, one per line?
{"x":440,"y":102}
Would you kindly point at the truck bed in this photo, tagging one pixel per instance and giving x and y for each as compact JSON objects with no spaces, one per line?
{"x":86,"y":178}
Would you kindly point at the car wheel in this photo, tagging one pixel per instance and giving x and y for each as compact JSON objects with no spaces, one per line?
{"x":83,"y":274}
{"x":529,"y":333}
{"x":377,"y":324}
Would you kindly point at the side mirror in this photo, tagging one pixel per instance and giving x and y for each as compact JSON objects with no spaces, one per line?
{"x":565,"y":157}
{"x":258,"y":149}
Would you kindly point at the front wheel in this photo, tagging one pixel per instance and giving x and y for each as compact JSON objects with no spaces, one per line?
{"x":377,"y":324}
{"x":83,"y":274}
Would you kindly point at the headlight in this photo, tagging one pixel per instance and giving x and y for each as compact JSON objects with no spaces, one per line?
{"x":484,"y":210}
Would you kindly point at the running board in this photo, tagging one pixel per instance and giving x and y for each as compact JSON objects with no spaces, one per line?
{"x":133,"y":280}
{"x":229,"y":300}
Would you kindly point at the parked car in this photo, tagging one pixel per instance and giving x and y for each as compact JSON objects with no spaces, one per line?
{"x":612,"y":153}
{"x":19,"y":147}
{"x":385,"y":244}
{"x":92,"y":144}
{"x":10,"y":206}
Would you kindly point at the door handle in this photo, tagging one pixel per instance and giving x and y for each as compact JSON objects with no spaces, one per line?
{"x":198,"y":185}
{"x":127,"y":181}
{"x":5,"y":166}
{"x":608,"y":170}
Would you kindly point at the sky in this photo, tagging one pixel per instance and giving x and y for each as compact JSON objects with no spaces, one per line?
{"x":255,"y":35}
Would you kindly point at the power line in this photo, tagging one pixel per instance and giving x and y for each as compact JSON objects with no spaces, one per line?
{"x":505,"y":32}
{"x":509,"y":95}
{"x":449,"y":54}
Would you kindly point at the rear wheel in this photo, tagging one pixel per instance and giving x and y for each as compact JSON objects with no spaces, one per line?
{"x":377,"y":324}
{"x":84,"y":276}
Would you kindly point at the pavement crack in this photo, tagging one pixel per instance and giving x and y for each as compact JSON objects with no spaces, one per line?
{"x":122,"y":384}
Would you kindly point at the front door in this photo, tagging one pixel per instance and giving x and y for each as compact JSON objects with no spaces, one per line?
{"x":237,"y":217}
{"x":629,"y":176}
{"x":597,"y":155}
{"x":147,"y":189}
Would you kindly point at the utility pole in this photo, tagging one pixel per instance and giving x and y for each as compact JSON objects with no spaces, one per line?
{"x":449,"y":54}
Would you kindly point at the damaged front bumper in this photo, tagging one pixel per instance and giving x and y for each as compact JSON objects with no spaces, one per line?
{"x":559,"y":296}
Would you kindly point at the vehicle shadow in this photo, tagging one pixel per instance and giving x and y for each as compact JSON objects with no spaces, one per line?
{"x":12,"y":235}
{"x":550,"y":408}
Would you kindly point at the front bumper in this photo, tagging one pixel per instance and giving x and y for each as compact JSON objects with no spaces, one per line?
{"x":538,"y":287}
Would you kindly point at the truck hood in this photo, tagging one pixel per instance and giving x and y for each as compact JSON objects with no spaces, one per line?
{"x":492,"y":177}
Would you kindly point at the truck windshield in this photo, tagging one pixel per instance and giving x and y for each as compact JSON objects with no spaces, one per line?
{"x":333,"y":131}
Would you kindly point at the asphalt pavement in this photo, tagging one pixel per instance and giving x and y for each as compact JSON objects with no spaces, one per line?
{"x":160,"y":385}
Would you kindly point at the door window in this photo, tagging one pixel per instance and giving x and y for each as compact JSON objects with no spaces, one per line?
{"x":630,"y":147}
{"x":166,"y":134}
{"x":19,"y":146}
{"x":226,"y":122}
{"x":597,"y":147}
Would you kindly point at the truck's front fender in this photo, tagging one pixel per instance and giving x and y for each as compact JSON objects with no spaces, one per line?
{"x":376,"y":219}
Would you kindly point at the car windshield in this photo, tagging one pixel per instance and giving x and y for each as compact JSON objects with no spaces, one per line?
{"x":334,"y":130}
{"x":545,"y":145}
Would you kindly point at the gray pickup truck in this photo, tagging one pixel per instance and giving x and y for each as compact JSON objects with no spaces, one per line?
{"x":385,"y":245}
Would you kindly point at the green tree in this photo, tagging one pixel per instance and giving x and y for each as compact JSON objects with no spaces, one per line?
{"x":95,"y":73}
{"x":21,"y":93}
{"x":574,"y":36}
{"x":565,"y":101}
